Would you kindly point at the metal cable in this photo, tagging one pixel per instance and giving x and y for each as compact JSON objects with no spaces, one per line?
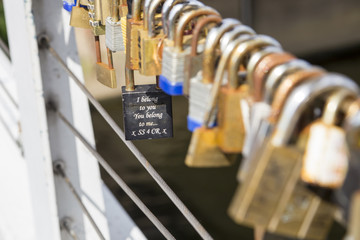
{"x":65,"y":224}
{"x":44,"y":42}
{"x":117,"y":179}
{"x":12,"y":100}
{"x":16,"y":141}
{"x":59,"y":170}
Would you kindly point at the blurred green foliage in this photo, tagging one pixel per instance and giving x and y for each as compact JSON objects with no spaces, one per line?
{"x":3,"y":34}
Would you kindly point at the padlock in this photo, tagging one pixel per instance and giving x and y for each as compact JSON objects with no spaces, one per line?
{"x":203,"y":150}
{"x":173,"y":70}
{"x":272,"y":183}
{"x":231,"y":134}
{"x":200,"y":86}
{"x":133,"y":25}
{"x":113,"y":27}
{"x":194,"y":60}
{"x":353,"y":232}
{"x":150,"y":38}
{"x":79,"y":16}
{"x":325,"y":161}
{"x":147,"y":110}
{"x":105,"y":73}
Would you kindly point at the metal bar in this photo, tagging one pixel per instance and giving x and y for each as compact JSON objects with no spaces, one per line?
{"x":118,"y":180}
{"x":59,"y":170}
{"x":65,"y":224}
{"x":16,"y":141}
{"x":4,"y":48}
{"x":173,"y":197}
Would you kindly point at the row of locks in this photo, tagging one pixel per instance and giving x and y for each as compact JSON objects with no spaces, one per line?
{"x":293,"y":123}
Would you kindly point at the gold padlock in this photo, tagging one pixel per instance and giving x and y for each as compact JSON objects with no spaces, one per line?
{"x":79,"y":16}
{"x":105,"y":72}
{"x":230,"y":117}
{"x":272,"y":188}
{"x":133,"y":25}
{"x":150,"y":39}
{"x":326,"y":157}
{"x":98,"y":11}
{"x":194,"y":61}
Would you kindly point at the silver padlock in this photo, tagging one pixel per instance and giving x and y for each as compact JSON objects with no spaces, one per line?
{"x":200,"y":86}
{"x":174,"y":54}
{"x":113,"y":29}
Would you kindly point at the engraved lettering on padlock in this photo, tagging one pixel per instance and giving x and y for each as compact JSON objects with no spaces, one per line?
{"x":147,"y":113}
{"x":79,"y":16}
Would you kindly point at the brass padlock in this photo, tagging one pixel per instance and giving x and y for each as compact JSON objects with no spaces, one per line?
{"x":194,"y":60}
{"x":325,"y":161}
{"x":272,"y":182}
{"x":79,"y":16}
{"x":151,"y":37}
{"x":105,"y":72}
{"x":98,"y":12}
{"x":232,"y":132}
{"x":133,"y":25}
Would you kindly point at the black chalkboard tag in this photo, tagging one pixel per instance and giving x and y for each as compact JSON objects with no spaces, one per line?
{"x":147,"y":113}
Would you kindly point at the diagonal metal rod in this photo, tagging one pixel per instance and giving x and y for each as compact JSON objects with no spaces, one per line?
{"x":65,"y":224}
{"x":44,"y":42}
{"x":118,"y":180}
{"x":59,"y":170}
{"x":16,"y":141}
{"x":12,"y":100}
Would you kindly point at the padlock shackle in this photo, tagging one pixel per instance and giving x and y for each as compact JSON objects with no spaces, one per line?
{"x":275,"y":76}
{"x":146,"y":14}
{"x":115,"y":11}
{"x":263,"y":67}
{"x":233,"y":34}
{"x":175,"y":13}
{"x":334,"y":104}
{"x":202,"y":23}
{"x":167,"y":6}
{"x":255,"y":58}
{"x":299,"y":99}
{"x":136,"y":10}
{"x":212,"y":41}
{"x":97,"y":49}
{"x":219,"y":76}
{"x":287,"y":85}
{"x":238,"y":56}
{"x":151,"y":17}
{"x":185,"y":20}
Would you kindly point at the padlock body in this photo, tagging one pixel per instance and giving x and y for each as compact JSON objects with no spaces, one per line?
{"x":113,"y":35}
{"x":192,"y":68}
{"x":199,"y":96}
{"x":230,"y":119}
{"x":150,"y":62}
{"x":98,"y":29}
{"x":325,"y":161}
{"x":132,"y":46}
{"x":79,"y":17}
{"x":204,"y":152}
{"x":273,"y":171}
{"x":147,"y":113}
{"x":106,"y":75}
